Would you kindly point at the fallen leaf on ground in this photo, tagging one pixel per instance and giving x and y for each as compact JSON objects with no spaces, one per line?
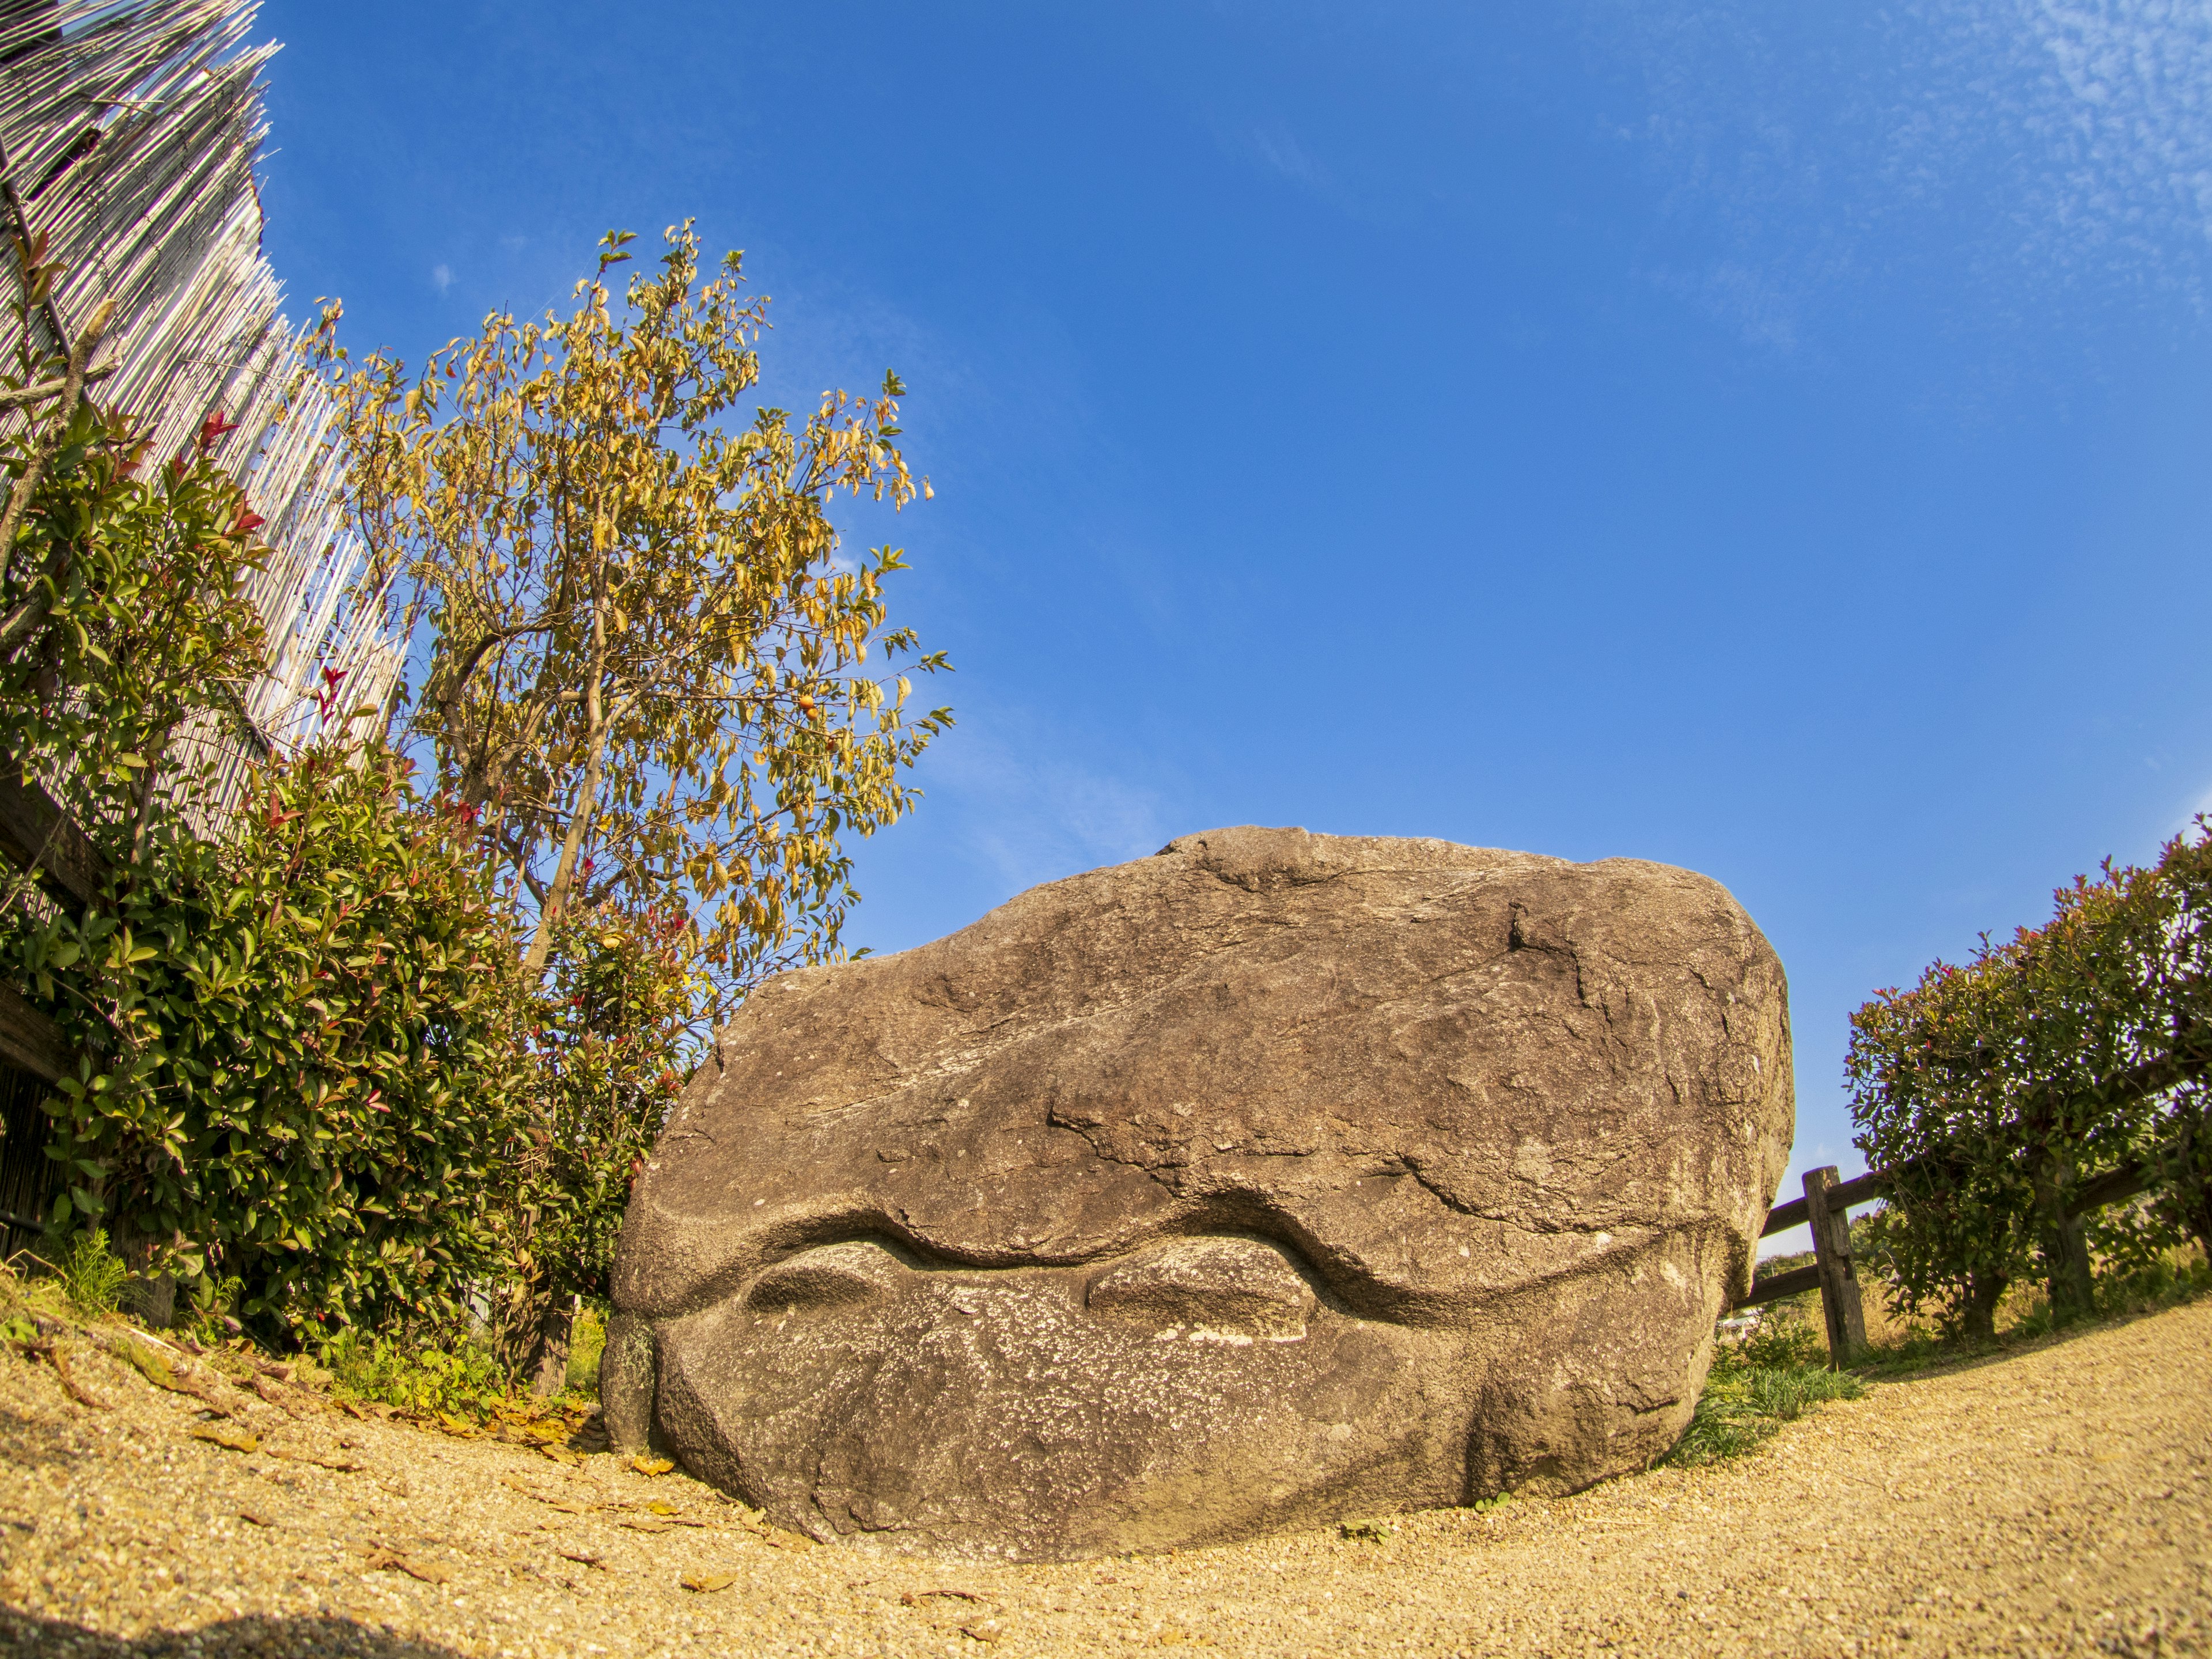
{"x":642,"y":1523}
{"x":158,"y":1368}
{"x":460,"y":1427}
{"x":75,"y":1390}
{"x":230,"y":1439}
{"x":560,"y":1453}
{"x":256,"y":1518}
{"x":281,"y":1397}
{"x":651,"y":1465}
{"x":320,"y":1460}
{"x":983,"y":1630}
{"x":388,"y":1560}
{"x":656,"y":1507}
{"x":583,"y":1558}
{"x":708,"y":1582}
{"x":784,"y":1541}
{"x":915,"y":1598}
{"x":563,"y":1505}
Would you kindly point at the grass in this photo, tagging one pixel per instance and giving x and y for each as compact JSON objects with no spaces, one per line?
{"x":1772,"y":1376}
{"x":92,"y":1276}
{"x":1898,"y":1347}
{"x":1779,"y":1372}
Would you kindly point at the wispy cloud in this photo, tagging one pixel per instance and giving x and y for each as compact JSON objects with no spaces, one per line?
{"x":2186,"y":823}
{"x":2031,"y":149}
{"x":441,"y":277}
{"x":1742,"y":299}
{"x":1277,"y":148}
{"x":1031,"y":811}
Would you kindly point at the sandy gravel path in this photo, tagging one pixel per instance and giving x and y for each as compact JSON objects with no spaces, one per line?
{"x":2058,"y":1501}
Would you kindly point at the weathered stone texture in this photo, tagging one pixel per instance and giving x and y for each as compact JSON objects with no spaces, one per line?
{"x":1272,"y":1179}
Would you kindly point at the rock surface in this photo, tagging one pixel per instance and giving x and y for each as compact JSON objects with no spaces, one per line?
{"x":1271,"y":1179}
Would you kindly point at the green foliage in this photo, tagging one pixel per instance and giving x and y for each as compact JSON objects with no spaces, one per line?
{"x":310,"y":1058}
{"x":1782,"y":1341}
{"x":617,"y":1006}
{"x":422,"y":1377}
{"x":90,"y":1274}
{"x":1773,"y":1376}
{"x":126,"y":639}
{"x":587,"y":1343}
{"x":2008,"y":1084}
{"x":358,"y":1056}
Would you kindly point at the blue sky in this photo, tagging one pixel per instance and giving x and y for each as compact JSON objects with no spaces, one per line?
{"x":1769,"y":440}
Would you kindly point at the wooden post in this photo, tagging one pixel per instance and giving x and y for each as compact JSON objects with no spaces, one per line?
{"x":1840,"y":1279}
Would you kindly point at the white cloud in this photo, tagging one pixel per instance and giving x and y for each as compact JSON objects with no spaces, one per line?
{"x":441,"y":277}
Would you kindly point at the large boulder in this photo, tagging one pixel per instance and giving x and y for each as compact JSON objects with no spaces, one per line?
{"x":1272,"y":1179}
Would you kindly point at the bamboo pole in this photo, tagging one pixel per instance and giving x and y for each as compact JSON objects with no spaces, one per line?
{"x":129,"y":133}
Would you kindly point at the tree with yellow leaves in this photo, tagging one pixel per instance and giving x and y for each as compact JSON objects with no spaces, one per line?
{"x":642,"y":658}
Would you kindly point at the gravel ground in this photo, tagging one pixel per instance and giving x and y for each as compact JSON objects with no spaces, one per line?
{"x":2058,"y":1500}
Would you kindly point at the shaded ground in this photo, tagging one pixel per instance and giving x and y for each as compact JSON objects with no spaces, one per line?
{"x":2055,"y":1501}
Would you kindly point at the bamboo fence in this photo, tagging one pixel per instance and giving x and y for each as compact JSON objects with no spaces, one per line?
{"x":128,"y":131}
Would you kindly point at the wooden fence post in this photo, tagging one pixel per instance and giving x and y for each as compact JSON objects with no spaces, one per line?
{"x":1832,"y":1255}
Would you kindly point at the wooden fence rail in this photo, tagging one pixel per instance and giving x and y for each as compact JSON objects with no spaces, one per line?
{"x":1834,"y":1272}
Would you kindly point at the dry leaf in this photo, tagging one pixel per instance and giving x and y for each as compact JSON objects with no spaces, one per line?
{"x":582,"y":1557}
{"x":256,"y":1518}
{"x":642,"y":1523}
{"x":156,"y":1367}
{"x":984,"y":1630}
{"x":651,"y":1465}
{"x":656,"y":1507}
{"x":230,"y":1439}
{"x":282,"y":1398}
{"x":321,"y":1461}
{"x":458,"y":1426}
{"x":784,"y":1541}
{"x":560,"y":1453}
{"x":75,"y":1390}
{"x":708,"y":1582}
{"x":430,"y":1572}
{"x":563,"y":1505}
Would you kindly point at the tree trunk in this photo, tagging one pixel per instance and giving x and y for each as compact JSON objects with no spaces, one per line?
{"x":2062,"y":1243}
{"x":588,"y":800}
{"x":2066,"y":1262}
{"x":1982,"y":1291}
{"x":548,"y":1359}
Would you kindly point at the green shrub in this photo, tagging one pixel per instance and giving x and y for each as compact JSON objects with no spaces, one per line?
{"x":425,"y":1376}
{"x":311,"y":1061}
{"x":2000,"y":1088}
